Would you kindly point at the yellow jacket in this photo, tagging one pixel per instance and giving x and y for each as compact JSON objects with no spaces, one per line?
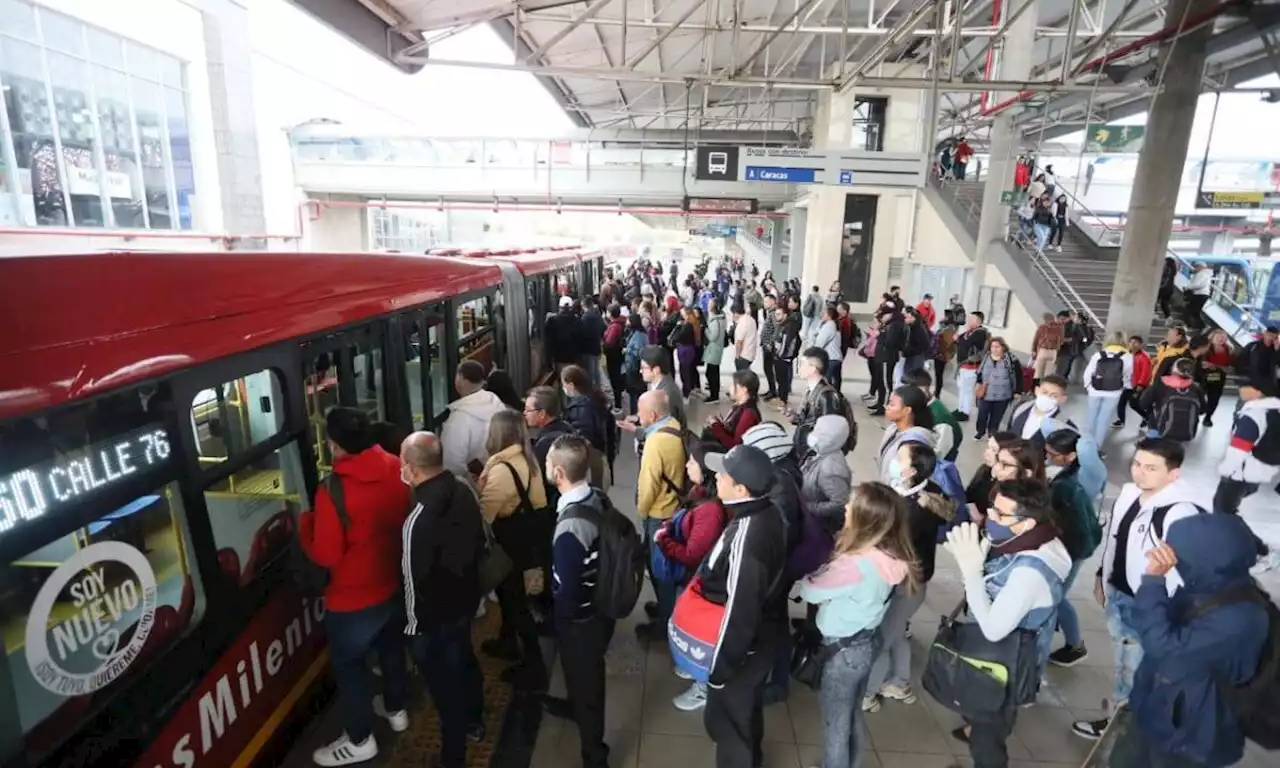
{"x":1164,"y":353}
{"x":498,"y":494}
{"x":663,"y":456}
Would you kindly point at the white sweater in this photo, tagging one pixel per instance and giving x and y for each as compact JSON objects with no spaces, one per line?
{"x":1024,"y":591}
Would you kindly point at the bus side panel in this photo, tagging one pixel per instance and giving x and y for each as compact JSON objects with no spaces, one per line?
{"x":238,"y":704}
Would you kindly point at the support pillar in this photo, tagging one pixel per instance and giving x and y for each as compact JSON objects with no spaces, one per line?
{"x":993,"y":223}
{"x":1158,"y":176}
{"x":799,"y":226}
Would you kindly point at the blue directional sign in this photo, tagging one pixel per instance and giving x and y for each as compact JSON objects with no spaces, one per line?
{"x":846,"y":177}
{"x":784,"y":175}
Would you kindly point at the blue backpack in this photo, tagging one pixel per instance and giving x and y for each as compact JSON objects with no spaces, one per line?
{"x":664,"y":568}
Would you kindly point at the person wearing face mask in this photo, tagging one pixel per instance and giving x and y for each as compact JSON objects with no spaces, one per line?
{"x":1080,"y":533}
{"x":820,"y":399}
{"x":1013,"y":579}
{"x":827,"y":477}
{"x":443,"y":540}
{"x":1027,"y":418}
{"x":927,"y":510}
{"x":909,"y":419}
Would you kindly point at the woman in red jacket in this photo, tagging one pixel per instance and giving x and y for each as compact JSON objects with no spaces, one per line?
{"x":700,"y":529}
{"x":745,"y":413}
{"x":1141,"y":378}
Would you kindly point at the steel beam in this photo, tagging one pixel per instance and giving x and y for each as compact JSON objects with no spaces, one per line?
{"x":491,"y":12}
{"x":1097,"y":42}
{"x":1008,"y":22}
{"x":1073,"y":23}
{"x":586,"y":15}
{"x":770,"y":37}
{"x":900,"y":30}
{"x":657,"y":41}
{"x":608,"y":59}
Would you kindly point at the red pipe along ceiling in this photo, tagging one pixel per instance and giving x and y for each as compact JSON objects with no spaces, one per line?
{"x":1192,"y":23}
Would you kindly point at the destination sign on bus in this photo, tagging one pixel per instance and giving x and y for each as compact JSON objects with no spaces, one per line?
{"x":36,"y":490}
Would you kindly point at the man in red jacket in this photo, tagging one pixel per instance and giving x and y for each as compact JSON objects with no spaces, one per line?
{"x":357,"y":538}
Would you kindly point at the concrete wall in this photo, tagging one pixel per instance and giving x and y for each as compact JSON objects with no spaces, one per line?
{"x":336,"y":229}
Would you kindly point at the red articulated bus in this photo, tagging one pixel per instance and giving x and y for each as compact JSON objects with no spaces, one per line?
{"x":160,"y":431}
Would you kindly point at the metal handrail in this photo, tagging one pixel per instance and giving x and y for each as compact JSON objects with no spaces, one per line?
{"x":1065,"y":291}
{"x":1246,"y":320}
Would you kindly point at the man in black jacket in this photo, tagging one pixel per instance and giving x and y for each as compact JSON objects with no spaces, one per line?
{"x":889,"y":346}
{"x":443,"y":538}
{"x":563,"y":337}
{"x":820,"y":399}
{"x":786,"y":346}
{"x":971,"y":345}
{"x":748,"y":563}
{"x":592,"y":326}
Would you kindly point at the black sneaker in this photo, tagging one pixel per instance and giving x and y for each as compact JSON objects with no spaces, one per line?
{"x":1069,"y":655}
{"x":1090,"y":729}
{"x":960,"y":415}
{"x":877,"y":411}
{"x":979,"y":437}
{"x":1208,"y":422}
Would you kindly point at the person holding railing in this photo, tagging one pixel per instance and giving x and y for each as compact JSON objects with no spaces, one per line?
{"x":1198,"y":291}
{"x":1059,"y":222}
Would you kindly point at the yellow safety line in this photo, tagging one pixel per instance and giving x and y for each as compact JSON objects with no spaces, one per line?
{"x":268,"y":728}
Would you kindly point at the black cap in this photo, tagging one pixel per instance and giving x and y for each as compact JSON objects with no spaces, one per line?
{"x":929,"y":296}
{"x":747,"y":465}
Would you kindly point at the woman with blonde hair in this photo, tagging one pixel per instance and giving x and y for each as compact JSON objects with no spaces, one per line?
{"x":873,"y":556}
{"x":512,"y":500}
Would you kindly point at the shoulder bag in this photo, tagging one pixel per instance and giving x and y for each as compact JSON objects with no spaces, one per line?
{"x":978,"y":678}
{"x":311,"y":577}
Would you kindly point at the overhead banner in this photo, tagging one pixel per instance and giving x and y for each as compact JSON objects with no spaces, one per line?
{"x":1249,"y":184}
{"x":789,"y":165}
{"x":1115,"y":138}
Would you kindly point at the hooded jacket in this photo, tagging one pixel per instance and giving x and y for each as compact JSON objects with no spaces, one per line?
{"x":787,"y":478}
{"x":592,"y":422}
{"x":826,"y":473}
{"x":1165,"y":356}
{"x":466,"y":428}
{"x":1182,"y":499}
{"x":1166,"y":386}
{"x":744,"y":573}
{"x":1249,"y":429}
{"x":442,"y":540}
{"x":715,"y":339}
{"x":592,"y":327}
{"x":852,"y":591}
{"x":887,"y":455}
{"x":1175,"y":697}
{"x":363,"y":558}
{"x":892,"y":340}
{"x":828,"y":337}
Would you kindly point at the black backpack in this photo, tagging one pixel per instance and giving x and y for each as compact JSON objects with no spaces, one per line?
{"x":1256,"y":704}
{"x":1178,"y":417}
{"x":622,"y":555}
{"x":1108,"y":374}
{"x":311,"y":577}
{"x":1267,"y":449}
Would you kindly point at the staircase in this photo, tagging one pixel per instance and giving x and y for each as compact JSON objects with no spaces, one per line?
{"x":1082,"y":273}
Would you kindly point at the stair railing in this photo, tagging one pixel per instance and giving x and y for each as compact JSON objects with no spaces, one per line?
{"x":1093,"y":227}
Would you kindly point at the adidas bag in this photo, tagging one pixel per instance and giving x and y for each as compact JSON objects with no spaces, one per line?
{"x":622,"y":556}
{"x":694,"y":632}
{"x":1178,"y":417}
{"x":1108,"y":374}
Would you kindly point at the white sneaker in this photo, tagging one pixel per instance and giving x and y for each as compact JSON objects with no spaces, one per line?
{"x":691,"y":700}
{"x":902,"y":693}
{"x":871,"y":703}
{"x":680,"y":673}
{"x":343,"y":752}
{"x":399,"y":720}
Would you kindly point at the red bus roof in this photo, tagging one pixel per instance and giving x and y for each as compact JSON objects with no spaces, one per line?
{"x":76,"y":326}
{"x":542,"y":261}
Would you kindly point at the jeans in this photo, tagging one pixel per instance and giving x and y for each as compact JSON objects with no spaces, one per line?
{"x":1195,"y":305}
{"x":592,"y":365}
{"x":990,"y":414}
{"x":712,"y":373}
{"x":1068,"y":620}
{"x":582,"y":648}
{"x":844,"y":683}
{"x":1125,"y":642}
{"x":899,"y":368}
{"x":909,"y":364}
{"x":1059,"y":226}
{"x":893,"y":662}
{"x":988,"y":740}
{"x":664,"y":591}
{"x":352,"y":635}
{"x":770,"y":371}
{"x":834,"y":373}
{"x":1098,"y":418}
{"x":448,"y":663}
{"x":734,"y":715}
{"x":967,"y":384}
{"x":1042,"y":235}
{"x":958,"y":170}
{"x":1063,"y":367}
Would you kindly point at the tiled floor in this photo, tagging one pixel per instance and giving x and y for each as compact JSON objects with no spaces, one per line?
{"x":646,"y":731}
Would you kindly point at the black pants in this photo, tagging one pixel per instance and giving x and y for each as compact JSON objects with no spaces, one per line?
{"x":877,"y":379}
{"x":988,"y":741}
{"x":886,"y":381}
{"x":990,"y":414}
{"x":770,"y":372}
{"x":582,"y":648}
{"x":1213,"y":396}
{"x":517,"y":622}
{"x":617,"y":382}
{"x":1063,"y":364}
{"x":1230,"y":494}
{"x":1163,"y":297}
{"x":1195,"y":305}
{"x":741,"y":364}
{"x":782,"y":373}
{"x":1129,"y":398}
{"x":688,"y":377}
{"x":734,"y":715}
{"x":1059,"y":226}
{"x":444,"y":656}
{"x":835,"y":373}
{"x":939,"y":371}
{"x":713,"y":381}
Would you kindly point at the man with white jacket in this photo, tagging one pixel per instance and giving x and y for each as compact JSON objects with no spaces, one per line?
{"x":1198,"y":290}
{"x":1255,"y":442}
{"x":467,"y":426}
{"x":1146,"y":507}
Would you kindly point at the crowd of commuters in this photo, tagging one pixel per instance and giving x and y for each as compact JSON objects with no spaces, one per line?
{"x":735,"y":519}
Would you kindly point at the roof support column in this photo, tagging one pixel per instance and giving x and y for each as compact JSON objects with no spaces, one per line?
{"x":993,"y":224}
{"x":1158,"y":175}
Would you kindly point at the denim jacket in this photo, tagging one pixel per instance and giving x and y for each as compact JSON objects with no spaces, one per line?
{"x":1042,"y":621}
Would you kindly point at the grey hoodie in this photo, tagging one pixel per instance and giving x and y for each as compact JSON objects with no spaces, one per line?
{"x":887,"y":457}
{"x":827,"y":477}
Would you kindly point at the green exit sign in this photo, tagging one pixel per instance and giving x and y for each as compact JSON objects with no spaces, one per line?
{"x":1008,"y":197}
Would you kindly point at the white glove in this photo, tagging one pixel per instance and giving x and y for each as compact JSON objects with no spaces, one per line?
{"x":969,"y":548}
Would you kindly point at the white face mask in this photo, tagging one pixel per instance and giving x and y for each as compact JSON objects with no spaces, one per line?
{"x":1044,"y":403}
{"x":895,"y":472}
{"x":1052,"y":470}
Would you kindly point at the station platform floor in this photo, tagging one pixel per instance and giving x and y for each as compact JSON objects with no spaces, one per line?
{"x":644,"y":730}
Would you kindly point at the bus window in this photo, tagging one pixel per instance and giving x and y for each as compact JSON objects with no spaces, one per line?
{"x":350,"y":376}
{"x":534,"y":290}
{"x":434,"y":389}
{"x":475,"y":332}
{"x":232,"y":417}
{"x":254,"y":512}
